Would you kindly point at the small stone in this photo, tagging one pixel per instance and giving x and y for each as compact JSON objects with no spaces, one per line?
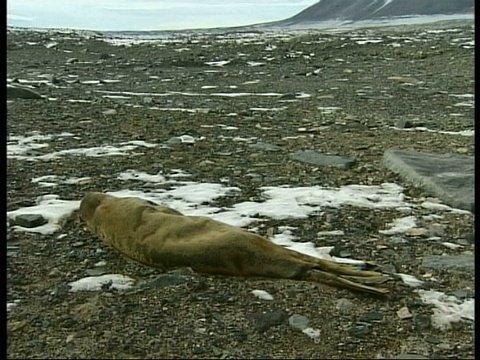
{"x":416,"y":232}
{"x":265,"y":147}
{"x":404,"y":313}
{"x":344,"y":305}
{"x":402,"y":79}
{"x":29,"y":220}
{"x":55,"y":272}
{"x":372,"y":316}
{"x":422,"y":321}
{"x":298,"y":322}
{"x":359,"y":330}
{"x":263,"y":321}
{"x":70,"y":338}
{"x":433,"y":340}
{"x":410,"y":357}
{"x":71,"y":61}
{"x":183,"y":139}
{"x":403,"y":124}
{"x":95,"y":271}
{"x":16,"y":325}
{"x":147,"y":100}
{"x":109,"y":112}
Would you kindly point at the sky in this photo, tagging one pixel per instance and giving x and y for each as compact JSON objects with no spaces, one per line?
{"x":138,"y":15}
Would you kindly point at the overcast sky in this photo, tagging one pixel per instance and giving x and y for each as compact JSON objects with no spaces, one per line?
{"x":148,"y":14}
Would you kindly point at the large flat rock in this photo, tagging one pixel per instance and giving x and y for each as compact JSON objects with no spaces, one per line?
{"x":318,"y":159}
{"x":450,"y":177}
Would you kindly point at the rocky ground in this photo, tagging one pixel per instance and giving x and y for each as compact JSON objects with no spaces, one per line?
{"x":353,"y":94}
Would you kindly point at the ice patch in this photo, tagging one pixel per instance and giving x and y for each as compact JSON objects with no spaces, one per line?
{"x":313,"y":334}
{"x":95,"y":283}
{"x":401,"y":225}
{"x":51,"y":208}
{"x":447,"y":309}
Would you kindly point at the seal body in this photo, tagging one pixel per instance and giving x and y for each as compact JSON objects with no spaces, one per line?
{"x":162,"y":237}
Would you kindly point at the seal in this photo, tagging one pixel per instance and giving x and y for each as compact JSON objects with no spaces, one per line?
{"x":164,"y":238}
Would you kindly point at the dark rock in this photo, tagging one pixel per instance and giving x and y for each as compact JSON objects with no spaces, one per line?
{"x":403,"y":124}
{"x":317,"y":159}
{"x":449,"y":177}
{"x":164,"y":280}
{"x":29,"y":220}
{"x":410,"y":357}
{"x":372,"y":316}
{"x":458,"y":262}
{"x":421,"y":321}
{"x":96,"y":271}
{"x":288,"y":96}
{"x":263,"y":321}
{"x":265,"y":147}
{"x":18,"y":92}
{"x":433,"y":340}
{"x":360,"y":330}
{"x":461,"y":294}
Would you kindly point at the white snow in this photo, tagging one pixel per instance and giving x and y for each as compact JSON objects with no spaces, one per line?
{"x":448,"y":308}
{"x":11,"y":305}
{"x":95,"y":283}
{"x":53,"y":209}
{"x":313,"y":334}
{"x":400,"y":225}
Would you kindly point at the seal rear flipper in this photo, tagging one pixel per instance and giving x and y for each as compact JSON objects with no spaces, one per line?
{"x":338,"y":281}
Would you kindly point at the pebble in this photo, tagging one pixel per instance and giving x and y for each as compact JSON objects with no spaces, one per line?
{"x":403,"y":124}
{"x":410,"y":357}
{"x":264,"y":147}
{"x":263,"y":321}
{"x":359,"y":330}
{"x":372,"y":316}
{"x":422,"y":321}
{"x":71,"y":61}
{"x":344,"y":305}
{"x":404,"y":313}
{"x":298,"y":322}
{"x":70,"y":338}
{"x":109,"y":112}
{"x":55,"y":272}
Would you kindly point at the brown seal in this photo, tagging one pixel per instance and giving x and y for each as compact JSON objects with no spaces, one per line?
{"x":161,"y":237}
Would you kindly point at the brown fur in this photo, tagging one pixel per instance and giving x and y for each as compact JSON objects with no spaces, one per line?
{"x":161,"y":237}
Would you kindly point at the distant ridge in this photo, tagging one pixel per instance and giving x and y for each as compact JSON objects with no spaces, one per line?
{"x":364,"y":10}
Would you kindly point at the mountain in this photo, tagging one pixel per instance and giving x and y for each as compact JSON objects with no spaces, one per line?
{"x":363,"y":10}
